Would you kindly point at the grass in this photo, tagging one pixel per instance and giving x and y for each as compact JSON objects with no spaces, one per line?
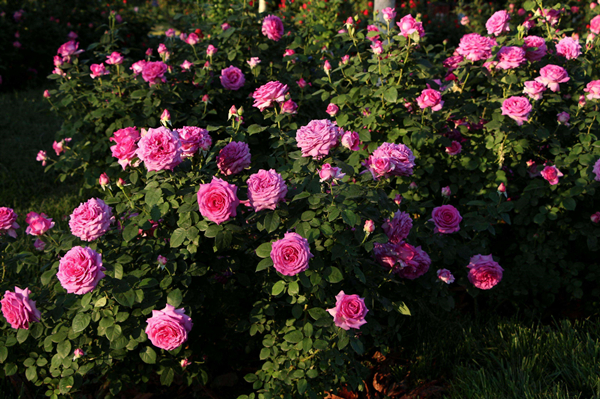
{"x":27,"y":127}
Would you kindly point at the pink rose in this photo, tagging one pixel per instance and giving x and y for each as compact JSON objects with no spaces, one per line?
{"x":218,"y":200}
{"x":328,"y":172}
{"x":445,"y":275}
{"x":464,"y":21}
{"x":551,"y":173}
{"x":446,"y":218}
{"x":138,"y":67}
{"x":69,"y":49}
{"x":414,"y":261}
{"x":266,"y":189}
{"x":193,"y":139}
{"x":535,"y":48}
{"x":168,"y":328}
{"x":232,"y":78}
{"x":291,"y":254}
{"x":317,"y":138}
{"x":272,"y":27}
{"x":211,"y":50}
{"x":80,"y":270}
{"x":38,"y":223}
{"x":372,"y":28}
{"x":115,"y":58}
{"x":186,"y":65}
{"x":98,"y":70}
{"x":595,"y":218}
{"x":253,"y":62}
{"x":430,"y":98}
{"x":398,"y":228}
{"x":563,"y":118}
{"x":517,"y":108}
{"x":225,"y":26}
{"x":484,"y":272}
{"x":593,"y":90}
{"x":534,"y":89}
{"x":345,"y":59}
{"x":454,"y":149}
{"x":349,"y":311}
{"x":234,"y":158}
{"x":58,"y":61}
{"x":475,"y":47}
{"x":596,"y":171}
{"x":42,"y":157}
{"x":551,"y":16}
{"x":91,"y":219}
{"x":58,"y":147}
{"x":170,"y":32}
{"x":391,"y":160}
{"x":18,"y":309}
{"x":192,"y":39}
{"x":446,"y":192}
{"x":551,"y":76}
{"x":498,"y":23}
{"x":351,"y":141}
{"x":408,"y":25}
{"x":39,"y":244}
{"x":154,"y":72}
{"x":268,"y":94}
{"x":289,"y":107}
{"x":289,"y":52}
{"x":568,"y":48}
{"x":453,"y":62}
{"x":377,"y":47}
{"x":510,"y":57}
{"x":301,"y":83}
{"x":502,"y":188}
{"x":369,"y":226}
{"x":125,"y":145}
{"x":159,"y":149}
{"x":389,"y":14}
{"x":8,"y":222}
{"x":332,"y":110}
{"x":595,"y":25}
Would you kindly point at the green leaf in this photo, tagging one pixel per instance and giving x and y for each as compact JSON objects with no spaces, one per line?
{"x":100,"y":302}
{"x":126,"y":298}
{"x":272,"y":221}
{"x":349,"y":217}
{"x":264,"y":264}
{"x":66,"y":384}
{"x":118,"y":271}
{"x":166,"y":377}
{"x":153,"y":196}
{"x":391,"y":95}
{"x":178,"y":236}
{"x":80,"y":322}
{"x":264,"y":354}
{"x":569,"y":204}
{"x":302,"y":195}
{"x":148,"y":355}
{"x":357,"y":345}
{"x":302,"y":384}
{"x":130,"y":232}
{"x":22,"y":335}
{"x":138,"y":94}
{"x":3,"y":353}
{"x":174,"y":297}
{"x":31,"y":373}
{"x":278,"y":288}
{"x":293,"y":288}
{"x":294,"y":337}
{"x":403,"y":309}
{"x":10,"y":369}
{"x":64,"y":348}
{"x":264,"y":250}
{"x":253,"y":129}
{"x":318,"y":313}
{"x":47,"y":276}
{"x":333,"y":275}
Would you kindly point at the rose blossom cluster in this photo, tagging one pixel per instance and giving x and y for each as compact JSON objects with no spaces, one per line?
{"x":168,"y":328}
{"x":91,"y":220}
{"x":291,"y":254}
{"x":391,"y":160}
{"x":317,"y":138}
{"x":80,"y":270}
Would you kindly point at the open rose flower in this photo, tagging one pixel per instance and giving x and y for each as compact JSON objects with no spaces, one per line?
{"x":160,"y":149}
{"x":551,"y":173}
{"x":268,"y":94}
{"x":291,"y":254}
{"x":234,"y":158}
{"x":551,"y":76}
{"x":408,"y":25}
{"x":446,"y":218}
{"x":125,"y":145}
{"x":498,"y":23}
{"x":232,"y":78}
{"x":168,"y":328}
{"x":517,"y":108}
{"x":193,"y":139}
{"x":568,"y":48}
{"x":510,"y":57}
{"x":115,"y":58}
{"x":138,"y":67}
{"x":91,"y":219}
{"x":475,"y":47}
{"x":38,"y":223}
{"x":69,"y":49}
{"x":328,"y":172}
{"x":595,"y":24}
{"x":593,"y":90}
{"x":430,"y":98}
{"x":272,"y":27}
{"x":445,"y":275}
{"x":80,"y":270}
{"x":154,"y":72}
{"x":534,"y":89}
{"x":266,"y":189}
{"x":289,"y":107}
{"x":413,"y":261}
{"x":484,"y":272}
{"x":8,"y":222}
{"x":332,"y":110}
{"x":351,"y":141}
{"x":317,"y":138}
{"x":454,"y":149}
{"x":218,"y":200}
{"x":18,"y":309}
{"x":98,"y":70}
{"x":391,"y":160}
{"x":535,"y":48}
{"x":349,"y":311}
{"x":596,"y":171}
{"x":398,"y":228}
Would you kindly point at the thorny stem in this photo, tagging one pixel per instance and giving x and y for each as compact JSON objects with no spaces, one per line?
{"x":405,"y":60}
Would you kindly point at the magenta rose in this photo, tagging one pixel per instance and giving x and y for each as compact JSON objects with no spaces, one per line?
{"x":90,"y":220}
{"x":218,"y":200}
{"x":475,"y":47}
{"x":593,"y":90}
{"x":446,"y":218}
{"x":125,"y":145}
{"x":596,"y":171}
{"x":160,"y":149}
{"x":168,"y":328}
{"x":351,"y":141}
{"x":453,"y":62}
{"x":445,"y":275}
{"x":551,"y":173}
{"x":551,"y":76}
{"x":272,"y":27}
{"x":98,"y":70}
{"x":234,"y":158}
{"x":391,"y":160}
{"x":268,"y":94}
{"x":8,"y":222}
{"x":595,"y":25}
{"x":534,"y":89}
{"x":232,"y":78}
{"x":398,"y":228}
{"x":498,"y":23}
{"x":535,"y":48}
{"x":568,"y":48}
{"x":408,"y":25}
{"x":38,"y":223}
{"x":332,"y":110}
{"x":193,"y":139}
{"x":317,"y":138}
{"x":349,"y":311}
{"x":69,"y":49}
{"x":328,"y":172}
{"x":414,"y":261}
{"x":138,"y":67}
{"x":289,"y":107}
{"x":454,"y":149}
{"x":517,"y":108}
{"x":154,"y":72}
{"x":291,"y":254}
{"x":18,"y":309}
{"x":80,"y":270}
{"x":266,"y":189}
{"x":430,"y":98}
{"x":115,"y":58}
{"x":484,"y":272}
{"x":510,"y":57}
